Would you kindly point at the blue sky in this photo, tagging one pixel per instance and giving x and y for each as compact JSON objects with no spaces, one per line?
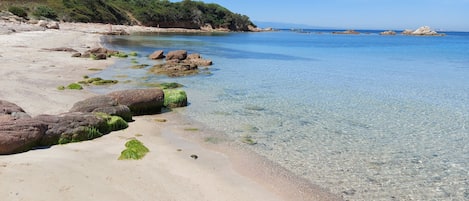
{"x":357,"y":14}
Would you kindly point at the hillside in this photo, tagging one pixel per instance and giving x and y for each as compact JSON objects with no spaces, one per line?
{"x":162,"y":13}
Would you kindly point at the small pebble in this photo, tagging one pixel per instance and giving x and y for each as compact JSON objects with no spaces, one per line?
{"x":195,"y":157}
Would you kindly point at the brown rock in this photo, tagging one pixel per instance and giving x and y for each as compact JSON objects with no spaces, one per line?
{"x":100,"y":56}
{"x":197,"y":60}
{"x":140,"y":101}
{"x":158,"y":54}
{"x":21,"y":135}
{"x":77,"y":54}
{"x":67,"y":127}
{"x":9,"y":107}
{"x":177,"y":55}
{"x":104,"y":104}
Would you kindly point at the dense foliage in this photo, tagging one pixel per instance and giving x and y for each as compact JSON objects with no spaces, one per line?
{"x":162,"y":13}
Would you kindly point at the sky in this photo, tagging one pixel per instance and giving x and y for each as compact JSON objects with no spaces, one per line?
{"x":448,"y":15}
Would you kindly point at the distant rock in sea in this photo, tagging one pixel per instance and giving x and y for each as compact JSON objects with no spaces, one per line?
{"x":388,"y":33}
{"x":422,"y":31}
{"x":346,"y":32}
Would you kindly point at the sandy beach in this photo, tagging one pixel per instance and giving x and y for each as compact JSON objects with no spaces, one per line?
{"x":90,"y":170}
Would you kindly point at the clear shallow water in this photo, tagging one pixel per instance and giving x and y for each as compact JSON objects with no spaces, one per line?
{"x":369,"y":117}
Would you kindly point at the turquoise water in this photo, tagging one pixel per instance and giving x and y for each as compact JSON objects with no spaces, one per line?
{"x":368,"y":117}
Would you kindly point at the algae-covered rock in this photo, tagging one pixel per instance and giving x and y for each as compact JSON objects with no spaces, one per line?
{"x":135,"y":150}
{"x":74,"y":86}
{"x":174,"y":98}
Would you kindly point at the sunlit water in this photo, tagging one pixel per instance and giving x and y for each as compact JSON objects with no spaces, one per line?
{"x":368,"y":117}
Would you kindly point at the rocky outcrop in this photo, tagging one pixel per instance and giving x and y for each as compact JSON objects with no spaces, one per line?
{"x":140,"y":101}
{"x":158,"y":54}
{"x":350,"y":32}
{"x":388,"y":33}
{"x":48,"y":24}
{"x":87,"y":119}
{"x":176,"y":55}
{"x":104,"y":104}
{"x":20,"y":135}
{"x":422,"y":31}
{"x":179,"y":63}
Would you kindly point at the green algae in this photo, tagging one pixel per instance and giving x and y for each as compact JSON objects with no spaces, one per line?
{"x":174,"y":98}
{"x":135,"y":150}
{"x":74,"y":86}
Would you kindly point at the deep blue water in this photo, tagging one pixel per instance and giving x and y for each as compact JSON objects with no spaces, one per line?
{"x":366,"y":116}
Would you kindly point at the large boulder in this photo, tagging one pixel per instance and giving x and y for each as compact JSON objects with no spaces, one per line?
{"x":21,"y":135}
{"x":104,"y":104}
{"x":158,"y":54}
{"x":71,"y":127}
{"x":140,"y":101}
{"x":424,"y":31}
{"x":177,"y":55}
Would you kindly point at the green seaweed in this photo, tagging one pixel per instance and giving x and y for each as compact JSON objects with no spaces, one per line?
{"x":61,"y":87}
{"x":95,"y":69}
{"x":191,"y":129}
{"x":135,"y":150}
{"x":133,"y":54}
{"x":175,"y":98}
{"x":119,"y":54}
{"x":80,"y":134}
{"x":97,"y":81}
{"x":74,"y":86}
{"x":247,"y":139}
{"x":113,"y":123}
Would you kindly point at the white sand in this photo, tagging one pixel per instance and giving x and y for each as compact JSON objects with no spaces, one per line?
{"x":90,"y":170}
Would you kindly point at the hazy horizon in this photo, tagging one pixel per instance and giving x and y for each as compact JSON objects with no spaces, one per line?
{"x":357,"y":14}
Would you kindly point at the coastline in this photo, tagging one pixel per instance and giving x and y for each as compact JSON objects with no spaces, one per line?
{"x":90,"y":169}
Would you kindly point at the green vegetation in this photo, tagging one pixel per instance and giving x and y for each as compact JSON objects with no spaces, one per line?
{"x":97,"y":81}
{"x":81,"y":134}
{"x":133,"y":54}
{"x":175,"y":98}
{"x":114,"y":123}
{"x":247,"y":139}
{"x":45,"y":11}
{"x":157,"y":13}
{"x":139,"y":66}
{"x":119,"y":54}
{"x":74,"y":86}
{"x":135,"y":150}
{"x":191,"y":129}
{"x":18,"y":11}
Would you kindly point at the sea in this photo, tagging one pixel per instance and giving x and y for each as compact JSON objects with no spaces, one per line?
{"x":367,"y":117}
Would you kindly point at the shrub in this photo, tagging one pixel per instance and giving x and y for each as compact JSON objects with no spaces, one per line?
{"x":45,"y":11}
{"x":18,"y":11}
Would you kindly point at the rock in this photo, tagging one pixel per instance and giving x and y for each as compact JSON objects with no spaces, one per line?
{"x":21,"y":135}
{"x":71,"y":127}
{"x":389,"y":33}
{"x":76,"y":54}
{"x":61,"y":49}
{"x":140,"y":101}
{"x":104,"y":104}
{"x":100,"y":56}
{"x":177,"y":55}
{"x":197,"y":60}
{"x":424,"y":31}
{"x":53,"y":25}
{"x":174,"y":98}
{"x":346,"y":32}
{"x":407,"y":32}
{"x":42,"y":23}
{"x":158,"y":54}
{"x":9,"y":108}
{"x":175,"y":69}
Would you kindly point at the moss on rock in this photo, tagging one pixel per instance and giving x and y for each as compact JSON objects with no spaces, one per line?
{"x":114,"y":123}
{"x":74,"y":86}
{"x":135,"y":150}
{"x":174,"y":98}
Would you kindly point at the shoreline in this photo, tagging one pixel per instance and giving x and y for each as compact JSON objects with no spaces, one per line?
{"x":90,"y":169}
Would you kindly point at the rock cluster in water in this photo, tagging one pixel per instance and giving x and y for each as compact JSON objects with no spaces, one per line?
{"x":86,"y":120}
{"x":178,"y":63}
